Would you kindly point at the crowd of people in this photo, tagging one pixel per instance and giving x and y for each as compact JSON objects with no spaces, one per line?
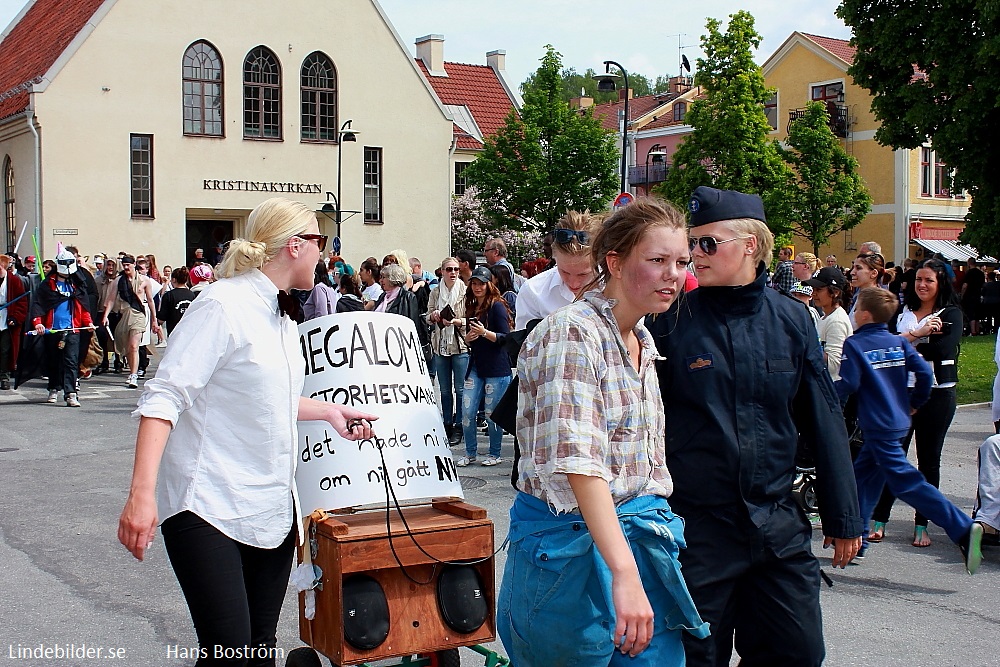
{"x":660,"y":381}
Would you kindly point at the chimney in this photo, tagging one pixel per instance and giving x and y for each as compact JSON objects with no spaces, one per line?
{"x":581,"y":102}
{"x":622,"y":92}
{"x":679,"y":84}
{"x":496,"y":60}
{"x":430,"y":49}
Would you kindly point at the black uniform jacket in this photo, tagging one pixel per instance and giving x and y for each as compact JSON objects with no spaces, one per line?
{"x":743,"y":377}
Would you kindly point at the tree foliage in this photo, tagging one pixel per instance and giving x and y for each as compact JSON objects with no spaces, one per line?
{"x":574,"y":84}
{"x":933,"y":69}
{"x":728,"y":147}
{"x":827,"y":194}
{"x":547,"y":161}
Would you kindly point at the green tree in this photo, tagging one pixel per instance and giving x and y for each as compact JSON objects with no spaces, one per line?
{"x":934,"y":70}
{"x":728,"y":147}
{"x":575,"y":84}
{"x":547,"y":161}
{"x":827,"y":194}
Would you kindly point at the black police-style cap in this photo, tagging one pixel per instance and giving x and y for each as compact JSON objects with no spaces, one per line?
{"x":828,"y":276}
{"x":482,"y":274}
{"x":711,"y":205}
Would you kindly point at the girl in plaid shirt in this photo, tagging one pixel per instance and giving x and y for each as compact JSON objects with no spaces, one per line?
{"x":592,"y":576}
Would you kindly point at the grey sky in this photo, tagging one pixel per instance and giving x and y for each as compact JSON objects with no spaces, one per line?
{"x":640,"y":34}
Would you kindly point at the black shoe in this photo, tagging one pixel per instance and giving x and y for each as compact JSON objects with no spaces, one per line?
{"x":455,"y":434}
{"x":4,"y":385}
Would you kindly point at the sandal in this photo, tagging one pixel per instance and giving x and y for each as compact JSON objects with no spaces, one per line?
{"x":920,"y":538}
{"x":878,"y":532}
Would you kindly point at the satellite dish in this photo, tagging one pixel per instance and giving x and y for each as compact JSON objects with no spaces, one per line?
{"x":685,"y":63}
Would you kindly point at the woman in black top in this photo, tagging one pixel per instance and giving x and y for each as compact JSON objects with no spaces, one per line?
{"x":932,"y":322}
{"x":489,"y":322}
{"x":350,"y":294}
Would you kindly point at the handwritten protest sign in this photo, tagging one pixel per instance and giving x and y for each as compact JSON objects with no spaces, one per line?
{"x":373,"y":362}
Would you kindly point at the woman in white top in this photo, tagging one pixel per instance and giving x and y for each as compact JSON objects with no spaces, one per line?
{"x":932,"y":321}
{"x":218,"y":428}
{"x":830,"y":294}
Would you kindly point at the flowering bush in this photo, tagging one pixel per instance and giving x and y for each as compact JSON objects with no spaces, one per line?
{"x":471,"y":227}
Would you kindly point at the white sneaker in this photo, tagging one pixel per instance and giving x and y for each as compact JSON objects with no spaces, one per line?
{"x":464,"y":461}
{"x":72,"y":401}
{"x":53,"y":396}
{"x":133,"y":381}
{"x":492,"y":460}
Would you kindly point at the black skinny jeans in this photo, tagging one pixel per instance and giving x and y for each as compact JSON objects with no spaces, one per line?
{"x":930,"y":425}
{"x":62,"y":365}
{"x":234,"y":591}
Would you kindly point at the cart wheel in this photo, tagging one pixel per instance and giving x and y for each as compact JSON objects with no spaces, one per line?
{"x":449,"y":658}
{"x":810,"y":499}
{"x":303,"y":657}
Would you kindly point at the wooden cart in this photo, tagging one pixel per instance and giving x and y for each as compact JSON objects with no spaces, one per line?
{"x":359,"y":543}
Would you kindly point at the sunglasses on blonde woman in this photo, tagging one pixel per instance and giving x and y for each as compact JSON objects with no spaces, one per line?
{"x":709,"y":244}
{"x":320,"y":239}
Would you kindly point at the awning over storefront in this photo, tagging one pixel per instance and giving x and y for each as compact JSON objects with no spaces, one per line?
{"x":952,"y":250}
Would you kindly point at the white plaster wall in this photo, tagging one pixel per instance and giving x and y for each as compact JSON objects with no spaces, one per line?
{"x":136,"y":51}
{"x":17,"y":142}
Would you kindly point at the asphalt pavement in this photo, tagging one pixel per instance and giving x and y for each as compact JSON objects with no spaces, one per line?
{"x":66,"y":583}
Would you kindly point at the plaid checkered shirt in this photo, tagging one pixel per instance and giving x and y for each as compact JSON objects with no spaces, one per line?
{"x":583,"y":409}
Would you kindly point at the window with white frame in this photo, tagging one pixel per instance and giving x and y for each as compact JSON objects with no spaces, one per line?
{"x":935,"y":176}
{"x":460,"y":183}
{"x":771,"y":111}
{"x":373,"y":184}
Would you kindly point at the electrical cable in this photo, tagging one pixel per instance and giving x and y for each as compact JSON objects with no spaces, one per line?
{"x":391,"y":492}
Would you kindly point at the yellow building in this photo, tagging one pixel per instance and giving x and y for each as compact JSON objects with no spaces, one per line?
{"x":155,"y":127}
{"x":912,"y":211}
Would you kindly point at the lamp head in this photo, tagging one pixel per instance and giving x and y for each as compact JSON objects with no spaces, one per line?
{"x":606,"y":82}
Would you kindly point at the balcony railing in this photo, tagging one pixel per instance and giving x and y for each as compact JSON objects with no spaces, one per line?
{"x":638,"y":175}
{"x":839,"y":118}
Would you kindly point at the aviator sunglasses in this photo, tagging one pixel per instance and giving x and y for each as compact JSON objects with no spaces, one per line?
{"x":566,"y":236}
{"x":320,"y":239}
{"x":709,"y":244}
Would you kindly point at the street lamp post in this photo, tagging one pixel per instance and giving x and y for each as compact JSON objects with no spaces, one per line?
{"x":656,"y":151}
{"x":326,"y":208}
{"x":606,"y":84}
{"x":344,"y":134}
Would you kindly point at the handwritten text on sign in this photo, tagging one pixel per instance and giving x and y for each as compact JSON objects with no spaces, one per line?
{"x":373,"y":362}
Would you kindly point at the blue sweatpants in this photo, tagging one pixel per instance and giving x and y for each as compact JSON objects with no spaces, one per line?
{"x":882,"y":462}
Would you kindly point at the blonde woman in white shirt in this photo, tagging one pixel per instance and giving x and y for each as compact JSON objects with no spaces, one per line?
{"x":217,"y":437}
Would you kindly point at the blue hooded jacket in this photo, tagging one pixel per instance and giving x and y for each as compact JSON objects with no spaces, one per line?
{"x":875,"y":366}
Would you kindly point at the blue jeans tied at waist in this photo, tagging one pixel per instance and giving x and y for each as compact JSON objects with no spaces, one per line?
{"x":555,"y":605}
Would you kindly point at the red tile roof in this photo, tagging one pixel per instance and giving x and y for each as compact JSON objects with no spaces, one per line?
{"x":478,"y":88}
{"x":838,"y":47}
{"x":637,"y":108}
{"x":35,"y":43}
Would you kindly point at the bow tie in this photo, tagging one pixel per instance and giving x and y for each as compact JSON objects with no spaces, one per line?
{"x":288,"y":304}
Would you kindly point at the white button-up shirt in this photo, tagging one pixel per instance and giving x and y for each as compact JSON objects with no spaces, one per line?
{"x":541,"y":296}
{"x":230,"y":383}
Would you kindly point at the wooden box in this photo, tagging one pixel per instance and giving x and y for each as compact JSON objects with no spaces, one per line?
{"x":358,"y":543}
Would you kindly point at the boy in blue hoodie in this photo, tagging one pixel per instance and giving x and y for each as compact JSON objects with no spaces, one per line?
{"x":875,"y":366}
